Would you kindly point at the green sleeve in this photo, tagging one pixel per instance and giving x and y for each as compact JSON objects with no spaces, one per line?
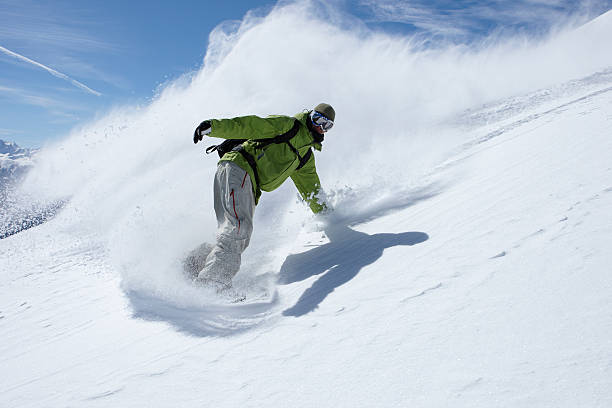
{"x":250,"y":127}
{"x":307,"y":182}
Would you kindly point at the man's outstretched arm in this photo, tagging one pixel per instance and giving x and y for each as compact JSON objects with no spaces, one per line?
{"x":307,"y":182}
{"x":244,"y":127}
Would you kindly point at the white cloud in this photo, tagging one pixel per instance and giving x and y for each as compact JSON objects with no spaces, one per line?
{"x":54,"y":106}
{"x":87,"y":70}
{"x":50,"y":70}
{"x":8,"y":132}
{"x":62,"y":36}
{"x":463,"y":19}
{"x":23,"y":96}
{"x":47,"y":25}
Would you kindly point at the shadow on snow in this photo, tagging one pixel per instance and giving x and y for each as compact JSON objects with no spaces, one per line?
{"x":337,"y":262}
{"x":348,"y":251}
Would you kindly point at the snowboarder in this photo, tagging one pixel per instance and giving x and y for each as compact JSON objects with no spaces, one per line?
{"x":278,"y":147}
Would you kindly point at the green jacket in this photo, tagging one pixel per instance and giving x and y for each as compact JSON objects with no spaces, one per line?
{"x":275,"y":162}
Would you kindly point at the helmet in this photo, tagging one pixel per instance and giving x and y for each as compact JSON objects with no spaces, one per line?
{"x":326,"y":110}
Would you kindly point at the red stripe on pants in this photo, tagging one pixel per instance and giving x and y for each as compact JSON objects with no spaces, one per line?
{"x":234,"y":205}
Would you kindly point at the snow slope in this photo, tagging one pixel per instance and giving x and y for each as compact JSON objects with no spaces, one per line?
{"x":466,"y":266}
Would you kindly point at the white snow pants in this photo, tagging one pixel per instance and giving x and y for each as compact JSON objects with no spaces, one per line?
{"x":234,"y":206}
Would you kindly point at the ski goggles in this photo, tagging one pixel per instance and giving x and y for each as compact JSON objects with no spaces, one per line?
{"x":321,"y":121}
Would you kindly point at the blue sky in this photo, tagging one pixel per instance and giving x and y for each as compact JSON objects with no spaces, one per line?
{"x":66,"y":61}
{"x":121,"y":50}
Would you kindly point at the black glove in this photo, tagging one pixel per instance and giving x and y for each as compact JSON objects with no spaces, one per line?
{"x":202,"y":129}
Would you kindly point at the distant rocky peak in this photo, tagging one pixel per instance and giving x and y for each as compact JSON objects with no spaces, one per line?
{"x":12,"y":149}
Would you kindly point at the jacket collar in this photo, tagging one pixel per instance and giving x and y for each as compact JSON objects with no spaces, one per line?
{"x":317,"y":138}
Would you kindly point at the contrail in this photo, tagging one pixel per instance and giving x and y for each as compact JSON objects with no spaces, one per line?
{"x":51,"y":71}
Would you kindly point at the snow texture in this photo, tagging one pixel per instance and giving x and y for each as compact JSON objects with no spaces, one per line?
{"x":466,"y":262}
